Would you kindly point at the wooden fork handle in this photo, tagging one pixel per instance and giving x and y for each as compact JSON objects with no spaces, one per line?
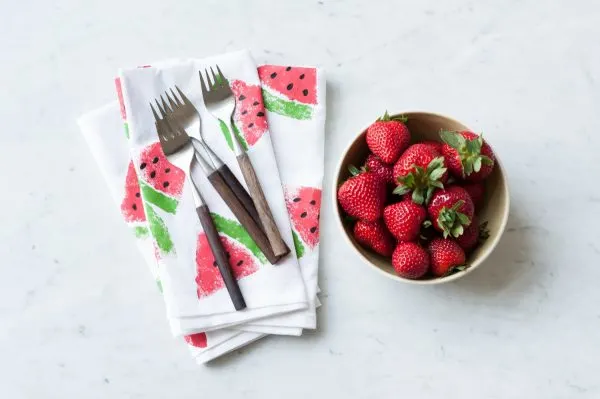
{"x":262,"y":206}
{"x":239,"y":192}
{"x":236,"y":206}
{"x":221,"y":257}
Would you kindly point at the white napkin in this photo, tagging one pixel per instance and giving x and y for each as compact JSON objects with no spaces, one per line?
{"x":103,"y":131}
{"x":111,"y":153}
{"x":297,"y":124}
{"x":267,"y":289}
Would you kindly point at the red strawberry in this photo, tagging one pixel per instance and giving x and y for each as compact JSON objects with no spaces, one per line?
{"x":420,"y":169}
{"x":384,"y":171}
{"x":388,"y":138}
{"x":410,"y":260}
{"x":434,"y":145}
{"x":476,"y":192}
{"x":404,"y":219}
{"x":467,"y":155}
{"x":375,"y":236}
{"x":451,"y":209}
{"x":446,"y":257}
{"x":363,"y":195}
{"x":473,"y":235}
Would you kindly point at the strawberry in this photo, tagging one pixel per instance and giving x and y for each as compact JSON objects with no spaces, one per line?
{"x":420,"y":169}
{"x":375,"y":236}
{"x":476,"y":192}
{"x":451,"y":209}
{"x":388,"y":138}
{"x":473,"y":235}
{"x":467,"y":155}
{"x":404,"y":219}
{"x":434,"y":145}
{"x":446,"y":257}
{"x":410,"y":260}
{"x":376,"y":165}
{"x":363,"y":195}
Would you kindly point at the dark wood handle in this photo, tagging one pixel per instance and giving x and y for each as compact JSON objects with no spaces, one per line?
{"x":221,"y":258}
{"x":262,"y":206}
{"x":253,"y":229}
{"x":239,"y":192}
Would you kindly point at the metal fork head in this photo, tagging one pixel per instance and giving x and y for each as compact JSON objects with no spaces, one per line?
{"x":179,"y":107}
{"x":217,"y":94}
{"x":171,"y":135}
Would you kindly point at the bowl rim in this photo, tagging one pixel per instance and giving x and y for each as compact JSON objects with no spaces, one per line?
{"x":483,"y":256}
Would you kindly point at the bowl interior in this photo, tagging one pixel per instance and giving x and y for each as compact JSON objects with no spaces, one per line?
{"x":426,"y":126}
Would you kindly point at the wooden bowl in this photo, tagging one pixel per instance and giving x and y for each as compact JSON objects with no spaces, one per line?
{"x":426,"y":126}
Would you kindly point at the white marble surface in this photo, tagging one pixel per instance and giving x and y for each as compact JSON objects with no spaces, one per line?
{"x":79,"y":317}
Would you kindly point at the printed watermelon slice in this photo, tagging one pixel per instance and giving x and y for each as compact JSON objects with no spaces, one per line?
{"x":132,"y":207}
{"x":208,"y":277}
{"x":159,"y":173}
{"x":304,"y":208}
{"x":198,"y":340}
{"x":294,"y":83}
{"x":249,"y":111}
{"x":289,"y":91}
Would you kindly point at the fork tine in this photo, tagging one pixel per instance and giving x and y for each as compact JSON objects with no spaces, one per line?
{"x":166,"y":106}
{"x":210,"y":84}
{"x":156,"y":117}
{"x":172,"y":102}
{"x":216,"y":81}
{"x":178,"y":101}
{"x":223,"y":78}
{"x":204,"y":89}
{"x":162,"y":111}
{"x":183,"y":97}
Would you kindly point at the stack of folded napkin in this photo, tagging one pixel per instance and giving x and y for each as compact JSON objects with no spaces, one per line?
{"x":280,"y":120}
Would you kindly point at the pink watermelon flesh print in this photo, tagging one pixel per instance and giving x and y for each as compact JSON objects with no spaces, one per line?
{"x":198,"y":340}
{"x":295,"y":83}
{"x":131,"y":206}
{"x":208,"y":277}
{"x":304,"y":208}
{"x":159,"y":173}
{"x":120,"y":97}
{"x":249,"y":111}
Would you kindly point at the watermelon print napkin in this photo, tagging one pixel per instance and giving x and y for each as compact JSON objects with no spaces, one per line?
{"x":288,"y":112}
{"x":192,"y":285}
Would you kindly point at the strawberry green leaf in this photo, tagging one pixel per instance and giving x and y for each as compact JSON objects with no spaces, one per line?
{"x":464,"y":219}
{"x":427,"y":223}
{"x":437,"y":173}
{"x":401,"y":190}
{"x":430,"y":191}
{"x":159,"y":285}
{"x":458,"y":230}
{"x":477,"y":164}
{"x":454,"y":270}
{"x":437,"y":184}
{"x":386,"y":117}
{"x":450,"y":138}
{"x":418,"y":197}
{"x":436,"y":163}
{"x":353,"y":170}
{"x":486,"y":160}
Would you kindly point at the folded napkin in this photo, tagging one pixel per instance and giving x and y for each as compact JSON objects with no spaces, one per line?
{"x":288,"y":113}
{"x":192,"y":286}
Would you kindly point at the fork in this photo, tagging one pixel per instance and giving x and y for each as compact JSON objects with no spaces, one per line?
{"x":182,"y":110}
{"x":179,"y":138}
{"x":176,"y":146}
{"x":220,"y":102}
